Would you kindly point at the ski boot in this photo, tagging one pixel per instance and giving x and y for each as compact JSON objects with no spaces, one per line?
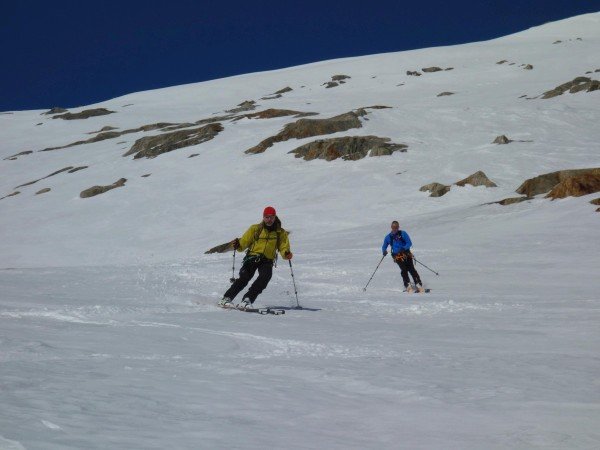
{"x":410,"y":289}
{"x":245,"y":303}
{"x":225,"y":301}
{"x":420,"y":289}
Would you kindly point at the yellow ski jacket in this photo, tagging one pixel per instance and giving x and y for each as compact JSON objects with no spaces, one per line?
{"x":260,"y":241}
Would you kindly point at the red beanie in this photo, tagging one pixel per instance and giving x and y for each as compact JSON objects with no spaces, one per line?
{"x":269,"y":211}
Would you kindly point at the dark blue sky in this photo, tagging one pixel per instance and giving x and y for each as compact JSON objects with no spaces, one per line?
{"x":73,"y":53}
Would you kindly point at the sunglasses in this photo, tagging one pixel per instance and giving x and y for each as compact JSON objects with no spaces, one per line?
{"x":269,"y":217}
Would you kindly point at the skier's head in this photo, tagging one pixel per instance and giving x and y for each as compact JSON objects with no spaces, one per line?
{"x":269,"y":215}
{"x":395,"y":225}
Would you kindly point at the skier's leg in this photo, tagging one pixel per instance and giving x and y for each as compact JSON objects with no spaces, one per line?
{"x":246,"y":273}
{"x":404,"y":272}
{"x":411,"y":268}
{"x":265,"y":271}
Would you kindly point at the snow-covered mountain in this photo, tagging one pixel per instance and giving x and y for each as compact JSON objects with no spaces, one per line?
{"x":110,"y":335}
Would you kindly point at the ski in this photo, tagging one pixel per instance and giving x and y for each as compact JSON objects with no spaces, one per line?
{"x":262,"y":311}
{"x":427,"y":291}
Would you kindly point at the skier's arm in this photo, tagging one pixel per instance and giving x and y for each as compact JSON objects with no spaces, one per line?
{"x":386,"y":243}
{"x":406,"y":238}
{"x":247,"y":238}
{"x":284,"y":243}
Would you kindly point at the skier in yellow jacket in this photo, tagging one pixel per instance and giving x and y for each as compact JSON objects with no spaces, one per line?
{"x":262,"y":240}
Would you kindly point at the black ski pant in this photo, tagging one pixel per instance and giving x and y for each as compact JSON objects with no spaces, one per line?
{"x":249,"y":268}
{"x":407,"y":266}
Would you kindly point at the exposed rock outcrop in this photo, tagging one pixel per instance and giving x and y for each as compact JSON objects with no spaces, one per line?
{"x":84,"y":114}
{"x":436,"y":189}
{"x":546,"y":182}
{"x":502,"y":139}
{"x":47,"y":176}
{"x":511,"y":201}
{"x":102,"y":136}
{"x":106,"y":128}
{"x":152,"y":146}
{"x":15,"y":156}
{"x":284,"y":90}
{"x":77,"y":169}
{"x":596,"y":201}
{"x":97,"y":190}
{"x":431,"y":69}
{"x":56,"y":110}
{"x":576,"y":186}
{"x":340,"y":77}
{"x":43,"y":191}
{"x":336,"y":80}
{"x":248,"y":105}
{"x":528,"y":67}
{"x":304,"y":128}
{"x":446,"y":93}
{"x":413,"y":73}
{"x":576,"y":85}
{"x":10,"y":195}
{"x":273,"y":113}
{"x":348,"y":148}
{"x":477,"y":179}
{"x":220,"y":248}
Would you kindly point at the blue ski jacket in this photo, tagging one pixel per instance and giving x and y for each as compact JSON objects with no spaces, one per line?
{"x":399,"y":241}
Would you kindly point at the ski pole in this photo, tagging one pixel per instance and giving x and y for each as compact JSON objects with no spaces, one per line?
{"x":232,"y":279}
{"x":294,"y":281}
{"x":425,"y":265}
{"x":365,"y":288}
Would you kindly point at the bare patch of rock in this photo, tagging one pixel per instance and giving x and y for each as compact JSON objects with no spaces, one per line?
{"x":47,"y":176}
{"x":477,"y":179}
{"x":578,"y":84}
{"x":84,"y":114}
{"x":435,"y":189}
{"x":546,"y":182}
{"x":106,"y":128}
{"x":273,"y":113}
{"x":248,"y":105}
{"x":14,"y":157}
{"x":502,"y":139}
{"x":43,"y":191}
{"x":304,"y":128}
{"x":350,"y":148}
{"x":431,"y":69}
{"x":97,"y":190}
{"x":444,"y":94}
{"x":10,"y":195}
{"x":152,"y":146}
{"x":77,"y":169}
{"x":511,"y":201}
{"x":56,"y":110}
{"x":222,"y":248}
{"x":576,"y":186}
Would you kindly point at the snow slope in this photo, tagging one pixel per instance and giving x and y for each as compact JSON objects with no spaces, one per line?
{"x":109,"y":337}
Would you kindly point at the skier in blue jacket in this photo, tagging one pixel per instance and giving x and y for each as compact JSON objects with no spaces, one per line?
{"x":400,"y":242}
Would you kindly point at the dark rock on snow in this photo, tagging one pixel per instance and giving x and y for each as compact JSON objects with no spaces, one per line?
{"x":97,"y":190}
{"x":304,"y":128}
{"x":84,"y":114}
{"x":348,"y":148}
